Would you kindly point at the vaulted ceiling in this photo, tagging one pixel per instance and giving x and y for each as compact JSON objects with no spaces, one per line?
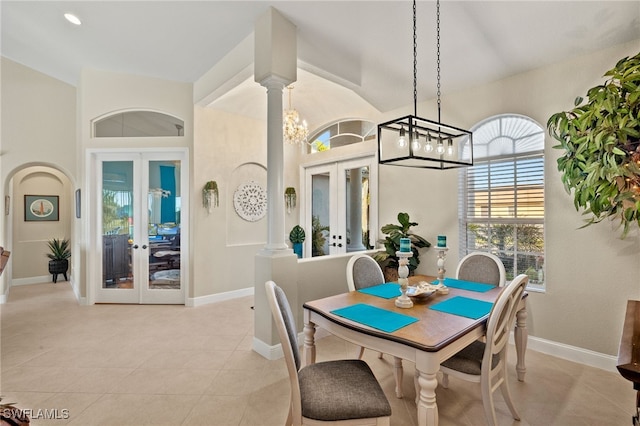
{"x":365,"y":46}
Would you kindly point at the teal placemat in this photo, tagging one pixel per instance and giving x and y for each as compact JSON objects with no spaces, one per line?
{"x":386,"y":290}
{"x":464,"y":307}
{"x":372,"y":316}
{"x":467,"y":285}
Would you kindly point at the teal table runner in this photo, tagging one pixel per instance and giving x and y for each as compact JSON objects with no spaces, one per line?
{"x":467,"y":285}
{"x":464,"y":307}
{"x":372,"y":316}
{"x":386,"y":290}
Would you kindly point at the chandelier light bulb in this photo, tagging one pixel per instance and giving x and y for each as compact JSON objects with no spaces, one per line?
{"x":449,"y":147}
{"x":402,"y":140}
{"x":440,"y":147}
{"x":415,"y":142}
{"x":428,"y":147}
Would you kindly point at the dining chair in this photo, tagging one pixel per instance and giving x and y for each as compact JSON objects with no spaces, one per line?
{"x":339,"y":391}
{"x":486,"y":363}
{"x":363,"y":271}
{"x":482,"y":267}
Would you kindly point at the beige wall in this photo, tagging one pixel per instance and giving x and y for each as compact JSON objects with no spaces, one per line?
{"x":231,"y":150}
{"x":38,"y":128}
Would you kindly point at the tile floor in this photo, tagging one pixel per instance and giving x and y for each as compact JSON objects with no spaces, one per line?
{"x":170,"y":365}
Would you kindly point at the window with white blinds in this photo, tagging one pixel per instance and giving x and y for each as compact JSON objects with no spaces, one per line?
{"x":502,"y":195}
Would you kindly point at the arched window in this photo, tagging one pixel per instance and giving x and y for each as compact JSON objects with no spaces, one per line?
{"x":341,"y":133}
{"x":502,"y":195}
{"x":138,"y":124}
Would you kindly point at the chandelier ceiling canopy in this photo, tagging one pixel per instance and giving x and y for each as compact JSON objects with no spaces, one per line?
{"x":411,"y":141}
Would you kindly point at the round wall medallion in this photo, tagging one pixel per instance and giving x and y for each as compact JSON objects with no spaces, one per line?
{"x":250,"y":201}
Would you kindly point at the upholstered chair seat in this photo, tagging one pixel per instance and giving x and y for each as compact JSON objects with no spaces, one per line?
{"x":341,"y":390}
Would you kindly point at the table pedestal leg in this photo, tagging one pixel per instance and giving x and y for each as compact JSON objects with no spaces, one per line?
{"x":521,"y":336}
{"x":398,"y":373}
{"x":309,"y":344}
{"x":427,"y":408}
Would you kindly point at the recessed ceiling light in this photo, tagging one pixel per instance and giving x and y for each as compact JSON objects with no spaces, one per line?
{"x":72,"y":18}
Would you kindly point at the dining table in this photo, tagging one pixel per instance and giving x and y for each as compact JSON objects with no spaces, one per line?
{"x":427,"y":334}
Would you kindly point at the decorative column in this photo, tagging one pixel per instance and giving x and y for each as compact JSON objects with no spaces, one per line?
{"x":275,"y":164}
{"x":275,"y":57}
{"x":275,"y":67}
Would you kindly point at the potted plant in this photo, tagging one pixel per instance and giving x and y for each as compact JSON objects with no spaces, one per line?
{"x":210,"y":195}
{"x":387,"y":258}
{"x":296,"y":236}
{"x":601,"y":144}
{"x":59,"y":255}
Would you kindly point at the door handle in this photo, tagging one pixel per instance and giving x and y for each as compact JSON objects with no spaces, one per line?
{"x":144,"y":246}
{"x":135,"y":246}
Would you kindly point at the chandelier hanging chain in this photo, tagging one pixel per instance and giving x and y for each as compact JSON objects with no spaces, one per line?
{"x":415,"y":63}
{"x":429,"y":144}
{"x":438,"y":54}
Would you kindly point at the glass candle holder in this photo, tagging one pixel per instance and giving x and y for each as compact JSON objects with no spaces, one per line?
{"x":405,"y":245}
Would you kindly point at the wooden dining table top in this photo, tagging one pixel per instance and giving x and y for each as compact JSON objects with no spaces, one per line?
{"x":433,"y":330}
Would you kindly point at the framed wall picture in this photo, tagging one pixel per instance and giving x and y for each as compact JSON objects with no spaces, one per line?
{"x":38,"y":208}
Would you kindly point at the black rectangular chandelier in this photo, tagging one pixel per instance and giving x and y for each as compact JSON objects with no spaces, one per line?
{"x":417,"y":142}
{"x":412,"y":141}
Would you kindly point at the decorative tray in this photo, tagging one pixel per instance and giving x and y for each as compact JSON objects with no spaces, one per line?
{"x":425,"y":289}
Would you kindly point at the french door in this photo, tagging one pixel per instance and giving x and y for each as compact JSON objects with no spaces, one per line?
{"x":340,"y":207}
{"x":141,"y":201}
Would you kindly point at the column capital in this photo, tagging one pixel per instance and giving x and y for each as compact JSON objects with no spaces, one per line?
{"x":275,"y":82}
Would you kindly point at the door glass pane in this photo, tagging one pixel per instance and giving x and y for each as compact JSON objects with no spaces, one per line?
{"x":320,"y":214}
{"x":357,"y":211}
{"x":164,"y":225}
{"x":117,"y":224}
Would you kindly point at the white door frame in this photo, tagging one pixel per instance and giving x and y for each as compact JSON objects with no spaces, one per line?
{"x":93,"y":223}
{"x":336,"y":169}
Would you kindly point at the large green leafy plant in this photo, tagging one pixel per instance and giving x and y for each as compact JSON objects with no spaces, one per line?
{"x":393,"y":233}
{"x":601,"y":143}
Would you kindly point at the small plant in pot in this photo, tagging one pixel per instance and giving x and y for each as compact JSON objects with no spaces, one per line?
{"x":59,"y":255}
{"x":387,"y":258}
{"x":297,"y":236}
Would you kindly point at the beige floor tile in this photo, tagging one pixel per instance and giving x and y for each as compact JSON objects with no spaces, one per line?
{"x":215,"y":410}
{"x":121,"y":365}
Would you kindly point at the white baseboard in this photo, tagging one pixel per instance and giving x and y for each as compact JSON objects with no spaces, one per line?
{"x":275,"y":352}
{"x":219,"y":297}
{"x":269,"y":352}
{"x":31,"y":280}
{"x":573,"y":353}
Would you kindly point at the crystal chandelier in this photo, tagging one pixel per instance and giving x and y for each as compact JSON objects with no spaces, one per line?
{"x":412,"y":141}
{"x":294,"y":131}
